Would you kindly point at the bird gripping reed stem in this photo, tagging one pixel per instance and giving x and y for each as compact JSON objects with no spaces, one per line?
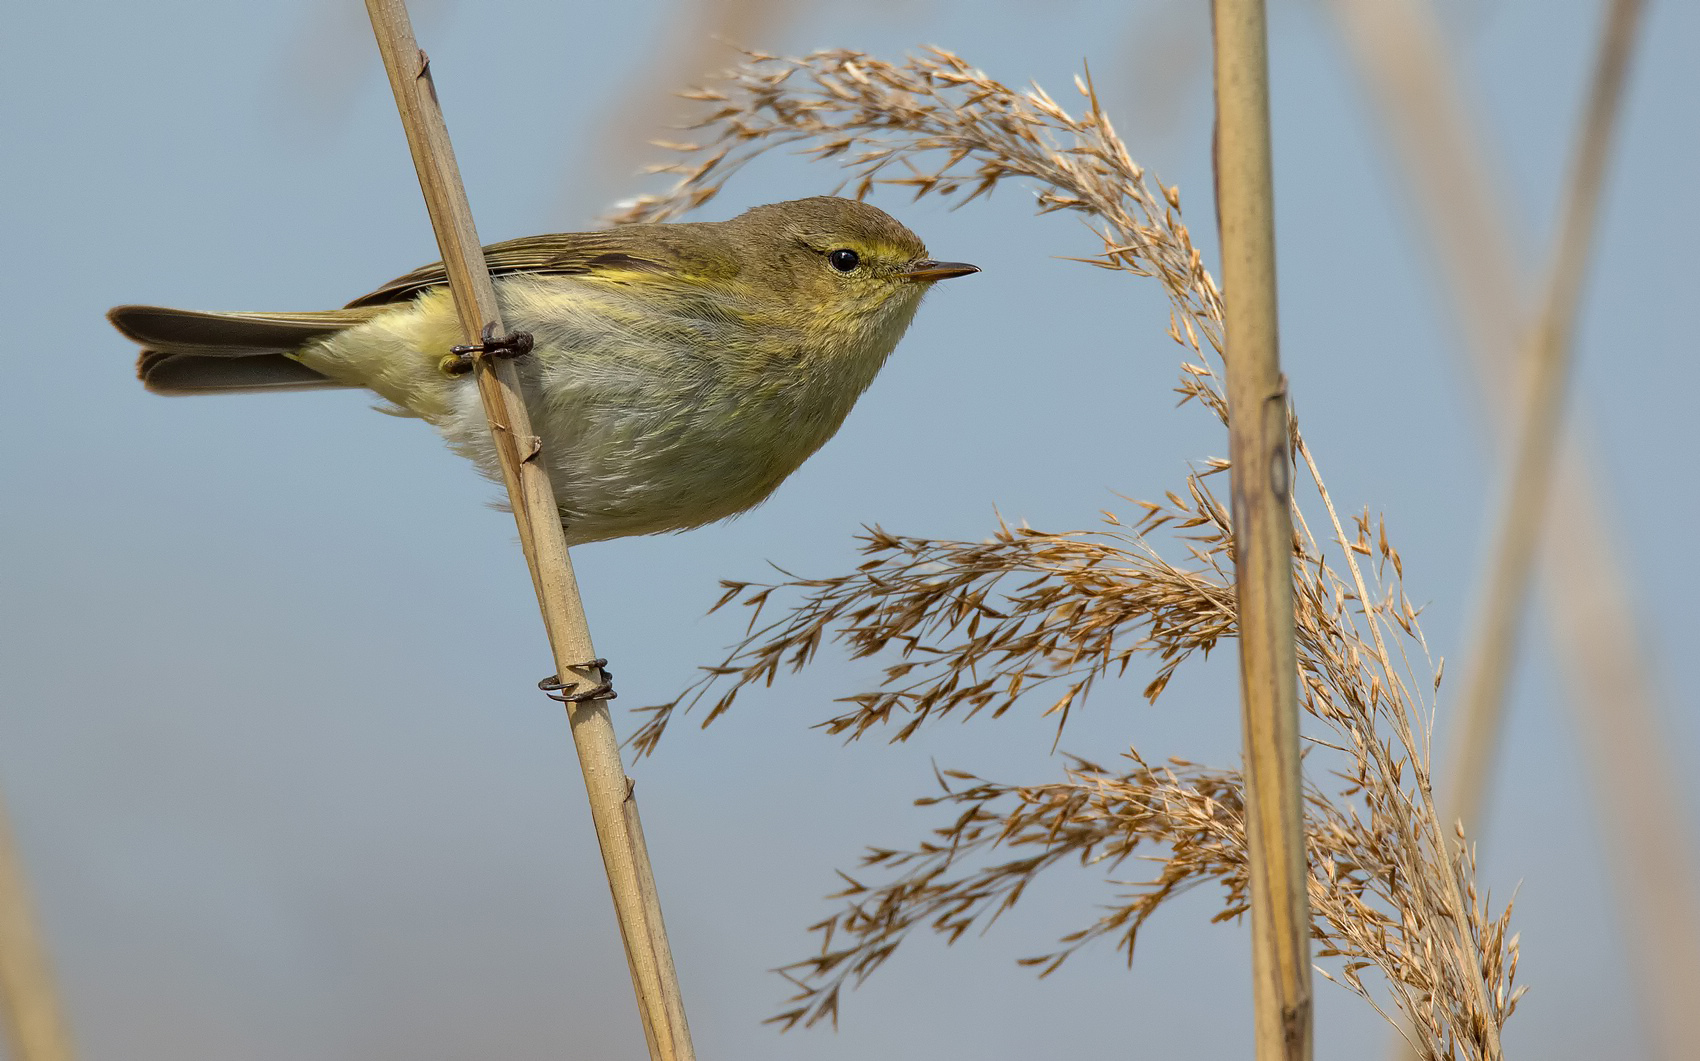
{"x":619,"y":831}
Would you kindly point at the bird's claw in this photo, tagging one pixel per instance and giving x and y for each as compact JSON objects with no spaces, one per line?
{"x":567,"y":692}
{"x":460,"y":359}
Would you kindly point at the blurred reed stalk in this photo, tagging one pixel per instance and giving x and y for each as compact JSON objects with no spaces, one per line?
{"x":1524,"y":507}
{"x":705,"y":36}
{"x":1398,"y":50}
{"x":35,"y":1022}
{"x":1262,"y":477}
{"x":612,"y":807}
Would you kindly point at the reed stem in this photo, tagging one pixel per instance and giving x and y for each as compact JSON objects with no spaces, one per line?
{"x":1262,"y":473}
{"x":612,"y":806}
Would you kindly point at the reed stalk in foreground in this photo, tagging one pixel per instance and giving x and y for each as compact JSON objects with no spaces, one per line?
{"x":1261,"y":477}
{"x":973,"y":629}
{"x":613,"y":809}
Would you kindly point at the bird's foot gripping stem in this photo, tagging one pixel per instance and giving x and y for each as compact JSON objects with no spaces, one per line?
{"x":460,"y":359}
{"x":568,"y":692}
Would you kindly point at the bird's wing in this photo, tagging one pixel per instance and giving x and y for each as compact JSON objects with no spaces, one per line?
{"x":603,"y":254}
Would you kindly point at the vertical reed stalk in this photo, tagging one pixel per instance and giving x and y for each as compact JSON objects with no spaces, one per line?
{"x":612,"y":807}
{"x":35,"y":1023}
{"x":1402,"y":59}
{"x":1647,"y":837}
{"x":1517,"y":526}
{"x":1262,"y":474}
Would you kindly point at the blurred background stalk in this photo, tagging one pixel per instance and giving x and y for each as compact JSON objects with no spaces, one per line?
{"x":1492,"y":646}
{"x":1400,"y":54}
{"x":35,"y":1021}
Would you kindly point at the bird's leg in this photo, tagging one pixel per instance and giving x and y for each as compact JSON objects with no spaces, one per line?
{"x":460,"y":358}
{"x":567,"y":692}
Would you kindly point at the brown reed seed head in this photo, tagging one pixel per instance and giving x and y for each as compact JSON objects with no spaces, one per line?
{"x":974,"y":628}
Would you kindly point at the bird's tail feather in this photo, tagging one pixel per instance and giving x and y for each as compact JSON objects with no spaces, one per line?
{"x":189,"y":352}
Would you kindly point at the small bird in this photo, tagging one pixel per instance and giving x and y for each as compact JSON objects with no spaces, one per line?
{"x":678,"y":373}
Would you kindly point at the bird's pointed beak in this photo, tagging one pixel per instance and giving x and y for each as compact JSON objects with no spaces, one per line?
{"x":929,"y":270}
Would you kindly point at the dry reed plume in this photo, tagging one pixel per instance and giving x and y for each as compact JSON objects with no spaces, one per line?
{"x":974,"y":628}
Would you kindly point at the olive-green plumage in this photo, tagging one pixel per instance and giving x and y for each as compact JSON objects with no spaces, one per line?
{"x":679,"y":372}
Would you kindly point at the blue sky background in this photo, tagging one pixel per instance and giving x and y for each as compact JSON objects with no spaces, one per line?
{"x":268,"y":732}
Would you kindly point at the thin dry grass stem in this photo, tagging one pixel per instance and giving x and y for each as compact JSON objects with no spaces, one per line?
{"x":618,"y":830}
{"x":1399,"y":51}
{"x":973,"y":629}
{"x":36,"y":1029}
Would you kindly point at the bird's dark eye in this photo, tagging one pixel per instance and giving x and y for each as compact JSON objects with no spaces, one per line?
{"x":844,"y":260}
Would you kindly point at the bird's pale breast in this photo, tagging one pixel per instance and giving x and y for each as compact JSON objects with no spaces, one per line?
{"x":653,"y":417}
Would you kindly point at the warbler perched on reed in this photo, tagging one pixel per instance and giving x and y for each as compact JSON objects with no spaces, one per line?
{"x":678,"y":372}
